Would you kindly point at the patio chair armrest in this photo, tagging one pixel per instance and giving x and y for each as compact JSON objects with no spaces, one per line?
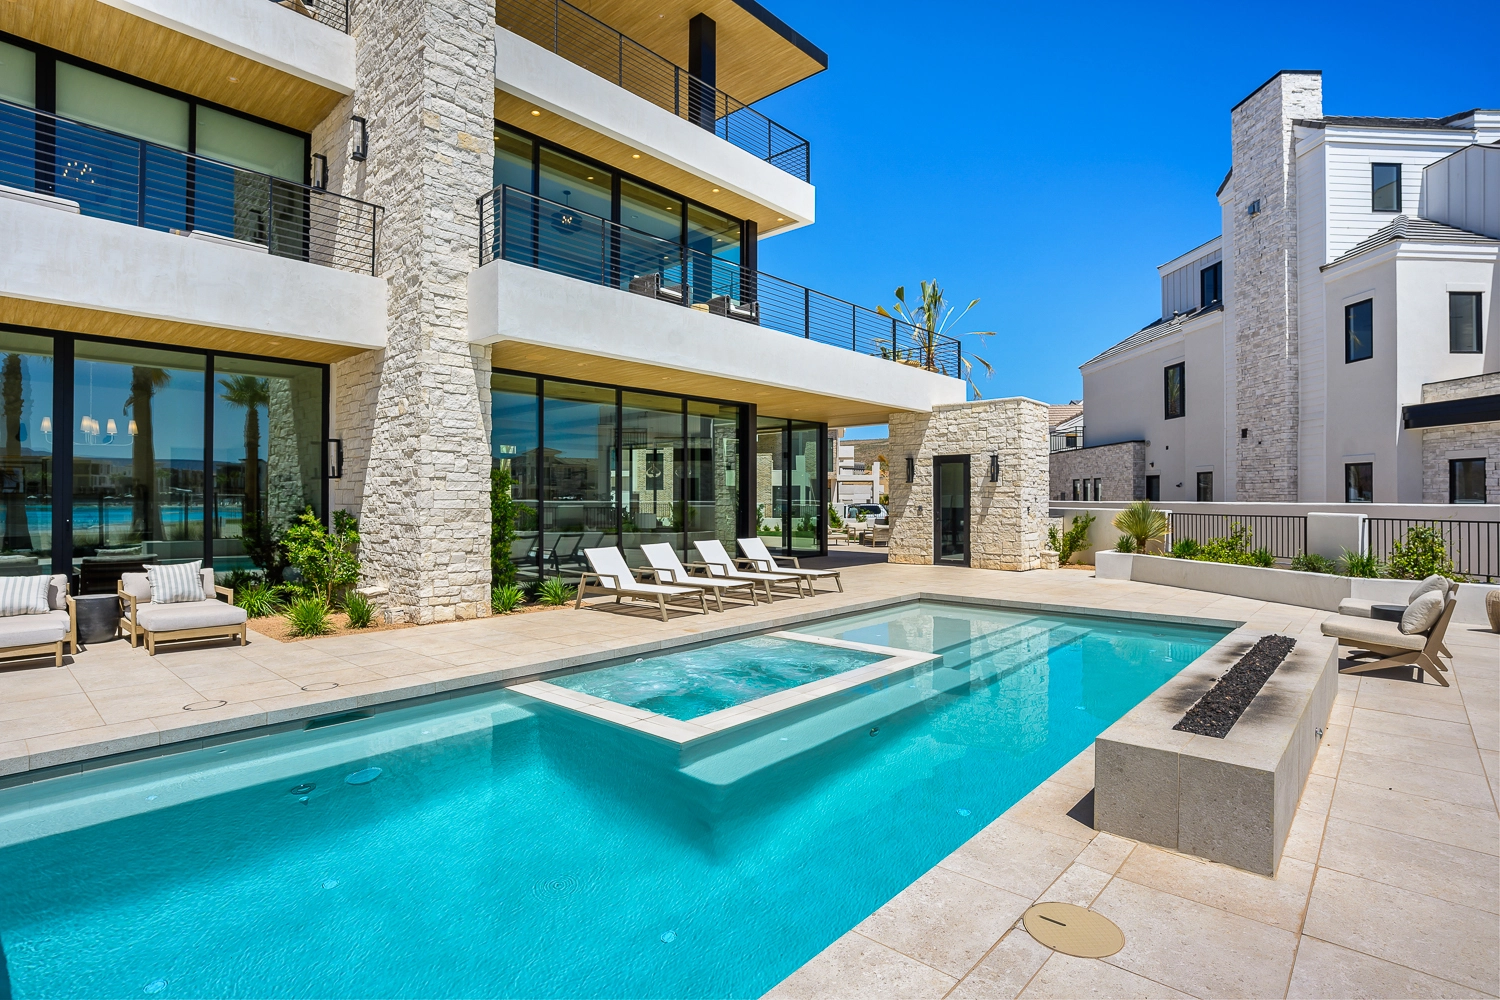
{"x":72,"y":635}
{"x":227,"y":592}
{"x":742,"y":563}
{"x":129,"y":599}
{"x":690,"y":567}
{"x":796,"y":562}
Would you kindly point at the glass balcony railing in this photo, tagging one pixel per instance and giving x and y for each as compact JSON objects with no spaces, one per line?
{"x":525,"y":229}
{"x":334,"y":13}
{"x":603,"y":51}
{"x":123,"y":179}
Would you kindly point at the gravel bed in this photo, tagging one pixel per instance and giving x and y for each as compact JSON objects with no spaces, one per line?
{"x":1218,"y":710}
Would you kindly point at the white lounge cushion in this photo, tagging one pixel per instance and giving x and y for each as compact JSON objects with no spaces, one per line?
{"x":755,"y":549}
{"x":1421,"y":614}
{"x":1358,"y":631}
{"x":33,"y":630}
{"x":188,"y":614}
{"x":136,"y":585}
{"x":24,"y":595}
{"x":175,"y":583}
{"x":1356,"y":607}
{"x":614,"y":574}
{"x":1431,"y":583}
{"x":57,"y":592}
{"x":711,"y":551}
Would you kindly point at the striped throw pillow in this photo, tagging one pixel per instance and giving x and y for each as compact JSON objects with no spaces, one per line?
{"x":23,"y":595}
{"x":174,"y":583}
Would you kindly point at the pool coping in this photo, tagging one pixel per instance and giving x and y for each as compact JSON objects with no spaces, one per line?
{"x":195,"y":734}
{"x":684,"y":733}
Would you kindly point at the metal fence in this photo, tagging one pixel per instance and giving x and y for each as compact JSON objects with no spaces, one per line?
{"x":525,"y":229}
{"x":124,"y":179}
{"x":1284,"y":534}
{"x":1065,"y":440}
{"x":600,"y":49}
{"x":1474,"y":546}
{"x":334,"y":13}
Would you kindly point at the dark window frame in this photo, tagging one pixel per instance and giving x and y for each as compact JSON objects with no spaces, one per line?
{"x":1478,"y":300}
{"x":1453,"y":463}
{"x":1349,"y":312}
{"x":1350,"y":486}
{"x":1198,"y":483}
{"x":1375,"y":189}
{"x":1153,"y":488}
{"x":1181,"y":370}
{"x":1211,"y":278}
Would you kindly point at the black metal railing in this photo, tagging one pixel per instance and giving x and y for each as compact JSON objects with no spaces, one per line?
{"x":1065,"y":440}
{"x":603,"y":51}
{"x":1284,"y":534}
{"x":1474,"y":546}
{"x":525,"y":229}
{"x":124,"y":179}
{"x":334,"y":13}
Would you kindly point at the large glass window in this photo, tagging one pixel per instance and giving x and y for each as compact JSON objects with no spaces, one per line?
{"x":805,"y":498}
{"x":513,"y":448}
{"x":789,"y":484}
{"x":578,"y":477}
{"x":712,"y":487}
{"x":1174,"y":395}
{"x":1211,"y":284}
{"x":1385,"y":187}
{"x":1359,"y":482}
{"x":110,"y":103}
{"x":713,"y":241}
{"x":1359,"y":331}
{"x":18,"y":147}
{"x":652,"y":472}
{"x":1465,"y":333}
{"x":137,"y":458}
{"x":1206,"y":487}
{"x":1466,"y":481}
{"x":267,"y":456}
{"x":26,"y":438}
{"x":513,"y":166}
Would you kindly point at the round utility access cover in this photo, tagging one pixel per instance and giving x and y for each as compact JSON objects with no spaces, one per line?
{"x":1073,"y":930}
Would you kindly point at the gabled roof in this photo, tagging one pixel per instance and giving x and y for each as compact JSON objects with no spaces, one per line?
{"x":1154,"y":331}
{"x":1061,"y":413}
{"x":1407,"y":228}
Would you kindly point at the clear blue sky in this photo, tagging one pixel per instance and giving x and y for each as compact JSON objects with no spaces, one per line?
{"x":1044,"y":158}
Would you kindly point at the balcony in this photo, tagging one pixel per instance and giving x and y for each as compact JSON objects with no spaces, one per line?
{"x":334,"y":13}
{"x":588,"y":42}
{"x":1065,"y":439}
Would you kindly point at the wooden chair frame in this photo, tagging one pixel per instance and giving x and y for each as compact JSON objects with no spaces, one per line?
{"x":620,"y":593}
{"x":130,"y":625}
{"x":52,"y":649}
{"x":1427,"y":658}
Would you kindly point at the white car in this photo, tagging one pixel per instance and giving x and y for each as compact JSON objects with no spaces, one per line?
{"x":875,"y":513}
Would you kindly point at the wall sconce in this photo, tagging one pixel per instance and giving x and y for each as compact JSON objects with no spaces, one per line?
{"x":320,"y":172}
{"x":362,"y":140}
{"x":994,"y":467}
{"x":911,"y":469}
{"x":335,"y":457}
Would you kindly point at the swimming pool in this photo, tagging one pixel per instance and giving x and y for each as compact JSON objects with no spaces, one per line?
{"x":510,"y":847}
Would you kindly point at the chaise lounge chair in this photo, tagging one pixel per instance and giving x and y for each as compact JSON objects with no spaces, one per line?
{"x":613,"y":576}
{"x":716,"y":563}
{"x":1413,"y":641}
{"x":1359,"y":608}
{"x":668,"y":569}
{"x":760,"y":557}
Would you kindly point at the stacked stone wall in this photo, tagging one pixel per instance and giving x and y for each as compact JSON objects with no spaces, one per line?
{"x":1007,"y":519}
{"x":1120,"y":469}
{"x":1439,"y":444}
{"x":1265,"y":283}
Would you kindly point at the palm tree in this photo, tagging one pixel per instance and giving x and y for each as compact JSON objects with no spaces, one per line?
{"x":1143,"y":523}
{"x":17,"y":531}
{"x":930,"y":320}
{"x":144,"y":383}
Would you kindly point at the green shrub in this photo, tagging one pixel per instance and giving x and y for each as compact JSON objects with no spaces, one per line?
{"x":1422,"y":554}
{"x":502,"y":527}
{"x":1355,"y":564}
{"x":359,"y":609}
{"x":1125,"y":544}
{"x":309,"y":616}
{"x":1186,"y":548}
{"x":1261,"y":557}
{"x":506,"y":598}
{"x":1143,"y":523}
{"x":240,"y":579}
{"x":1235,"y":548}
{"x":1067,"y":543}
{"x":258,"y":600}
{"x":834,"y":521}
{"x":554,"y":592}
{"x":324,"y":559}
{"x":1311,"y":562}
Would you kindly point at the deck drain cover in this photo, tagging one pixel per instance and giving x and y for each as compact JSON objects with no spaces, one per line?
{"x":321,"y":686}
{"x":204,"y":706}
{"x":1073,"y":930}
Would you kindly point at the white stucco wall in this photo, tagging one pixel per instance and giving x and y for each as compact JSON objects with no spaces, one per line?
{"x":554,"y":84}
{"x":52,"y":256}
{"x":511,"y":302}
{"x":265,"y":32}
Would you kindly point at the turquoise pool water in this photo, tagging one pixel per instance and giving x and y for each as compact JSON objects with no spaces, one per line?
{"x":698,"y":681}
{"x":508,"y":848}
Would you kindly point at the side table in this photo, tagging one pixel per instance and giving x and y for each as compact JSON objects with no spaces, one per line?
{"x":98,"y":617}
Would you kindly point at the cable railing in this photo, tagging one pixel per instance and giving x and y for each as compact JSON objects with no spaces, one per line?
{"x":117,"y":177}
{"x":603,"y":51}
{"x":334,"y":13}
{"x":525,"y":229}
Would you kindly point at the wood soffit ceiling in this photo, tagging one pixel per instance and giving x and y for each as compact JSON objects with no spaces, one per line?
{"x":565,"y":132}
{"x":758,"y":54}
{"x":770,"y":401}
{"x":99,"y":33}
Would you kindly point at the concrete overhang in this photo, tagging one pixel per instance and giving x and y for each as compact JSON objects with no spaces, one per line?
{"x":551,"y":324}
{"x":598,"y":118}
{"x":250,"y":55}
{"x":63,"y":271}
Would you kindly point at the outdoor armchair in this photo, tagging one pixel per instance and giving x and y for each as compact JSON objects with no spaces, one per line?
{"x":1386,"y":639}
{"x":612,"y":576}
{"x":1360,"y":608}
{"x":760,"y":557}
{"x":718,"y":564}
{"x":142,"y":617}
{"x":42,"y":633}
{"x":668,"y":569}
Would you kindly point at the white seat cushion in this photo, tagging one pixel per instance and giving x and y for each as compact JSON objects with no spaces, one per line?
{"x":1357,"y":631}
{"x":188,"y":614}
{"x":1355,"y":607}
{"x":33,"y":630}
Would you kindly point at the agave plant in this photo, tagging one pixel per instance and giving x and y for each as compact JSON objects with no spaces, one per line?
{"x":1142,"y":523}
{"x":930,"y":320}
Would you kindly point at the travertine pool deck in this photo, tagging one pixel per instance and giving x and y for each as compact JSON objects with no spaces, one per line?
{"x":1390,"y":885}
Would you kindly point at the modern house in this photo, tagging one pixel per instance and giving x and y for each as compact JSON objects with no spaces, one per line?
{"x":262,"y":256}
{"x":1335,"y":343}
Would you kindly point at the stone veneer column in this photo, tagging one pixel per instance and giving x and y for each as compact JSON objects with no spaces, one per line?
{"x":1007,"y":519}
{"x":1265,"y":283}
{"x":413,"y":417}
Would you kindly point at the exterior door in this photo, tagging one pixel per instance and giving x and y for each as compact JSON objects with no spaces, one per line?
{"x":950,"y":510}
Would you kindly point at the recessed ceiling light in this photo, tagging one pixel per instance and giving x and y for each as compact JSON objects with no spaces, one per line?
{"x":234,"y":79}
{"x":635,"y":156}
{"x":591,"y":178}
{"x":536,"y":114}
{"x":780,"y":219}
{"x":716,"y":190}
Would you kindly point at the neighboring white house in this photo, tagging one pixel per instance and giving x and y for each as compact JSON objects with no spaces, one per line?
{"x":1358,"y":264}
